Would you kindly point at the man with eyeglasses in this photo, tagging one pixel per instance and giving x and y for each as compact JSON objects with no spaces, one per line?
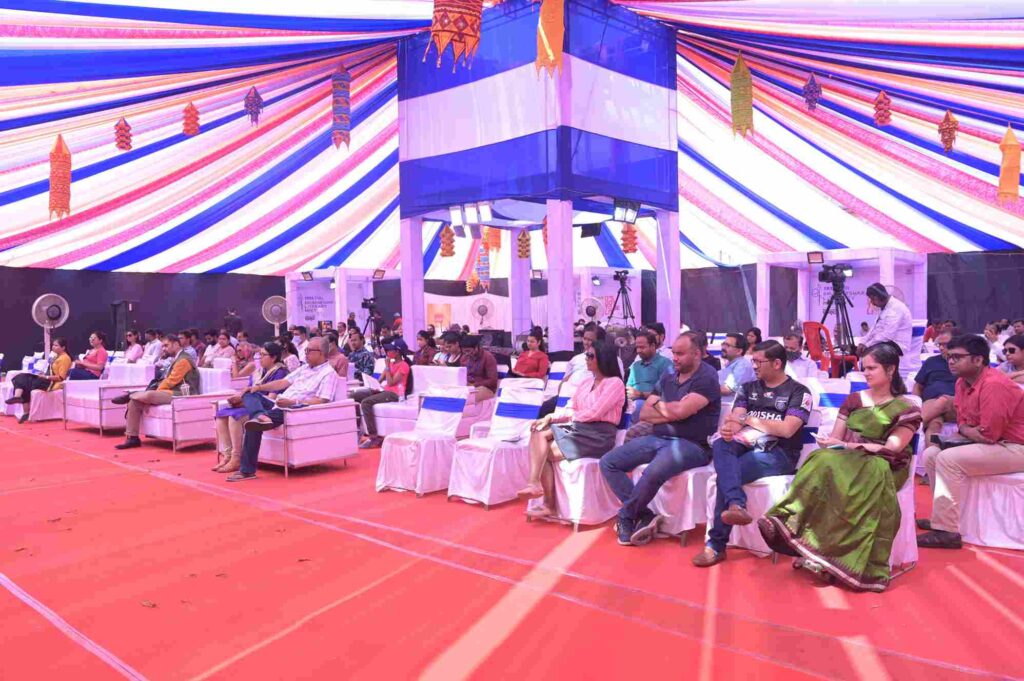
{"x":739,"y":370}
{"x":761,"y":437}
{"x":990,"y":414}
{"x":935,"y":384}
{"x":312,"y":383}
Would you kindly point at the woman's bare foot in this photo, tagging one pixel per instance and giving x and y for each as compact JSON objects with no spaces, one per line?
{"x":542,"y":512}
{"x":531,"y":491}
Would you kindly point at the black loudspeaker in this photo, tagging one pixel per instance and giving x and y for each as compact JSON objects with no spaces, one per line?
{"x":124,"y":314}
{"x":591,"y":231}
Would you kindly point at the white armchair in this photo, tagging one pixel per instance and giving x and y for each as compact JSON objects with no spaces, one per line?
{"x":89,"y":403}
{"x":313,"y":435}
{"x":188,"y":420}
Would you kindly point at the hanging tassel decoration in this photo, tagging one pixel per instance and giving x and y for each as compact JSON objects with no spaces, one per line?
{"x":447,"y":242}
{"x":742,"y":89}
{"x":1009,"y":170}
{"x":947,"y":130}
{"x":883,"y":109}
{"x":483,"y":267}
{"x":629,"y":238}
{"x":812,"y":93}
{"x":472,"y":282}
{"x":341,"y":107}
{"x":123,"y":135}
{"x":60,"y":179}
{"x":456,"y":23}
{"x":494,"y":239}
{"x":550,"y":35}
{"x":523,"y":244}
{"x":544,"y":232}
{"x":253,"y":105}
{"x":190,"y":120}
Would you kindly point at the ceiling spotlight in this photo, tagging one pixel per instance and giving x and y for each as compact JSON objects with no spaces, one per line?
{"x":334,"y":285}
{"x":626,"y":211}
{"x":307,"y":276}
{"x":456,"y":215}
{"x":472,"y":217}
{"x":595,"y":280}
{"x":815,"y":258}
{"x":485,"y":211}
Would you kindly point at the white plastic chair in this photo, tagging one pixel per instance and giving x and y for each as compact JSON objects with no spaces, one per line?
{"x":992,"y":512}
{"x":398,"y":417}
{"x":420,"y":460}
{"x":494,"y":463}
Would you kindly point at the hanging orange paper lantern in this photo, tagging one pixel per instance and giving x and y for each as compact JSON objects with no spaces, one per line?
{"x":472,"y":282}
{"x":1009,"y":170}
{"x":494,"y":239}
{"x":883,"y":109}
{"x":947,"y":130}
{"x":550,"y":35}
{"x":447,"y":242}
{"x":253,"y":105}
{"x":523,"y":244}
{"x":741,"y":85}
{"x":190,"y":120}
{"x":60,"y":179}
{"x":456,"y":23}
{"x":544,"y":231}
{"x":123,"y":135}
{"x":629,"y":238}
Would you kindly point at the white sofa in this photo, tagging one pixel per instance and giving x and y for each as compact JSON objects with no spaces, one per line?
{"x":188,"y":420}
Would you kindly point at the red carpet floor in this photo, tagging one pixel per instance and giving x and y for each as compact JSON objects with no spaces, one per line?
{"x":147,"y":565}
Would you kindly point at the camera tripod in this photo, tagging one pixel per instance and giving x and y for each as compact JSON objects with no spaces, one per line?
{"x":628,"y":318}
{"x":844,"y":331}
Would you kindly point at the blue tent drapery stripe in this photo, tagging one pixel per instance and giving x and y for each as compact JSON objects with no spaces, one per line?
{"x":346,"y":251}
{"x":611,"y":249}
{"x":433,"y":247}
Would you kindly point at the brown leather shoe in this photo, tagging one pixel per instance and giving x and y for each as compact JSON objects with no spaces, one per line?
{"x":736,"y":515}
{"x":708,"y":557}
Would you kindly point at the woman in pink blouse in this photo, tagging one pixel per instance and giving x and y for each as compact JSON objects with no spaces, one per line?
{"x":222,"y":349}
{"x":132,"y":348}
{"x":585,"y":428}
{"x":95,"y":361}
{"x":534,"y":362}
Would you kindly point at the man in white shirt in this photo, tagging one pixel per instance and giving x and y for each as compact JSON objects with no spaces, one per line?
{"x":154,"y":348}
{"x":894,"y":323}
{"x":797,"y":365}
{"x":312,"y":383}
{"x":301,"y":339}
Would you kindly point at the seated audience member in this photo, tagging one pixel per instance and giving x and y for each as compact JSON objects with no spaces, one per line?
{"x":1018,"y":327}
{"x":451,"y":350}
{"x":841,"y":514}
{"x":221,"y":349}
{"x":864,"y":328}
{"x":91,"y":367}
{"x":426,"y":349}
{"x":753,"y":338}
{"x":761,"y":437}
{"x":646,"y":370}
{"x":351,"y":321}
{"x":244,"y":364}
{"x":465,"y":330}
{"x":393,"y":381}
{"x":312,"y":383}
{"x":1013,"y":367}
{"x":300,"y":338}
{"x":209,"y":339}
{"x":533,"y":363}
{"x":432,"y":330}
{"x":481,"y":369}
{"x":797,"y":365}
{"x":584,"y":428}
{"x":154,"y":348}
{"x":739,"y":370}
{"x":930,"y":332}
{"x":358,"y":355}
{"x":289,"y":353}
{"x":659,"y":337}
{"x":229,"y":421}
{"x":133,"y":350}
{"x":197,"y":343}
{"x":894,"y":323}
{"x":683,"y":409}
{"x":576,"y":371}
{"x":707,"y":357}
{"x":995,"y":345}
{"x":990,"y":413}
{"x":182,"y":376}
{"x":935,"y":385}
{"x":53,"y":379}
{"x":242,"y":337}
{"x":387,"y":335}
{"x":187,"y":340}
{"x":335,"y":357}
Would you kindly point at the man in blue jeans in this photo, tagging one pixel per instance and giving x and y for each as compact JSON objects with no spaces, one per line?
{"x":312,"y":383}
{"x":761,"y":437}
{"x":683,"y":411}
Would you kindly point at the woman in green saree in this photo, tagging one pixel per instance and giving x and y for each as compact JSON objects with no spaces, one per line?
{"x":841,"y":514}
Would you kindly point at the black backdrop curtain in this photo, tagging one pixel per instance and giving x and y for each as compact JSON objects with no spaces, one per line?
{"x":169,"y":301}
{"x":973,"y":289}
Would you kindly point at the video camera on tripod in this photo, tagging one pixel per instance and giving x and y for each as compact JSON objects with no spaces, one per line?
{"x":628,"y":318}
{"x":839,"y":301}
{"x":835,"y":274}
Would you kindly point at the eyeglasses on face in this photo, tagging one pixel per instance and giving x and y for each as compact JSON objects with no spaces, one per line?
{"x":955,"y":357}
{"x":759,"y":362}
{"x":590,"y":355}
{"x":1010,"y":350}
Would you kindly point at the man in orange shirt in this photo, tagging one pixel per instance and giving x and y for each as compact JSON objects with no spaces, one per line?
{"x":990,"y":413}
{"x":181,"y":378}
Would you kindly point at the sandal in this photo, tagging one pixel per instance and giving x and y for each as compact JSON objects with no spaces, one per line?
{"x":938,"y":539}
{"x":531,"y":492}
{"x":538,"y":513}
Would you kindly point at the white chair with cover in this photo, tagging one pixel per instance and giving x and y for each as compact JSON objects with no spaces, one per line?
{"x":420,"y":460}
{"x":44,"y":405}
{"x":314,"y":434}
{"x":582,"y":496}
{"x":398,"y":417}
{"x":188,"y":420}
{"x":992,"y":512}
{"x":6,"y":391}
{"x":494,"y":462}
{"x":556,"y":372}
{"x":682,"y":501}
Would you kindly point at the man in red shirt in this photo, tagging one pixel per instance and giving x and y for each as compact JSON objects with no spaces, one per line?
{"x":990,"y":413}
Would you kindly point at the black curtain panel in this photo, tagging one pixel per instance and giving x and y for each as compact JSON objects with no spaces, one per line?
{"x":975,"y":288}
